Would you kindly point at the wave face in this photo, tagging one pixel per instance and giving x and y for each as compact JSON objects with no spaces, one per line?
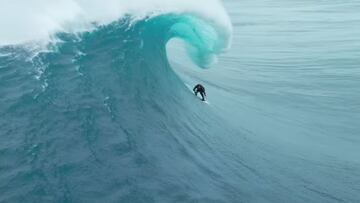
{"x":101,"y":116}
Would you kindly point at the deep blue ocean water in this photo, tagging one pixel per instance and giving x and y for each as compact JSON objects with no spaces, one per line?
{"x":106,"y":115}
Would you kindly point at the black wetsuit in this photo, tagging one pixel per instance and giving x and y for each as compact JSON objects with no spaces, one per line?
{"x":200,"y":89}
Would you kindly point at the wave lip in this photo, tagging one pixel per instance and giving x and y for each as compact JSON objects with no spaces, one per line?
{"x":203,"y":38}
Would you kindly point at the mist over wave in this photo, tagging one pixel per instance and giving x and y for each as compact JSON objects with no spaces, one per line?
{"x":20,"y":25}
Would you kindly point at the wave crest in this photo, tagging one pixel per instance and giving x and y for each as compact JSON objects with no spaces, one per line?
{"x":204,"y":38}
{"x":76,"y":15}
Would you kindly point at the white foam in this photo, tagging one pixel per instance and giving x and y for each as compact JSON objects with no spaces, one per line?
{"x":32,"y":20}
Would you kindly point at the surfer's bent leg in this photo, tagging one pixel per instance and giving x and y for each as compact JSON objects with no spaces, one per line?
{"x":202,"y":95}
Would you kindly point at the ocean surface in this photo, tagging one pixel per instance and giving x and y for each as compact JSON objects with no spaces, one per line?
{"x":101,"y":109}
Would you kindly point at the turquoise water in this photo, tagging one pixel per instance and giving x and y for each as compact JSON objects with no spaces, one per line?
{"x":105,"y":115}
{"x":290,"y":85}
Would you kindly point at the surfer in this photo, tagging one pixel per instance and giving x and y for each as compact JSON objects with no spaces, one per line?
{"x":200,"y":89}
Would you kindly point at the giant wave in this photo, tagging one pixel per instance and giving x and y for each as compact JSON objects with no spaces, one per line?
{"x":95,"y":104}
{"x":100,"y":115}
